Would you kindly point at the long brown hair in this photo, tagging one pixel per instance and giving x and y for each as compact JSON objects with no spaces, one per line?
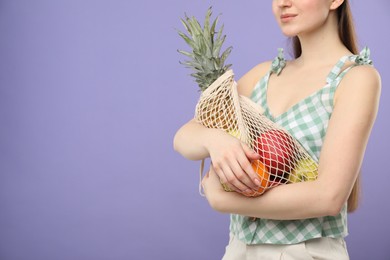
{"x":348,"y":37}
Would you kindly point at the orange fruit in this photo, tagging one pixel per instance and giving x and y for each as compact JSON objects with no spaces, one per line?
{"x":263,"y":174}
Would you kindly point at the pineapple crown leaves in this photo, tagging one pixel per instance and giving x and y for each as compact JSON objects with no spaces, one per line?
{"x":205,"y":59}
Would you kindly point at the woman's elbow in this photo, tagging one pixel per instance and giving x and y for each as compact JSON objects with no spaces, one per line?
{"x":218,"y":204}
{"x":334,"y":210}
{"x":334,"y":205}
{"x":181,"y":146}
{"x":330,"y":199}
{"x":180,"y":140}
{"x":177,"y":144}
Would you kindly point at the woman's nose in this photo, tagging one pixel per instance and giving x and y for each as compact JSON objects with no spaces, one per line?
{"x":284,"y":3}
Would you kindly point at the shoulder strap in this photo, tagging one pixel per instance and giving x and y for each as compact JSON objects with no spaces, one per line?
{"x":259,"y":91}
{"x":335,"y":72}
{"x":336,"y":75}
{"x":278,"y":63}
{"x":360,"y":59}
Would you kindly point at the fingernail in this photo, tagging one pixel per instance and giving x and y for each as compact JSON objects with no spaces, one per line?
{"x":257,"y":182}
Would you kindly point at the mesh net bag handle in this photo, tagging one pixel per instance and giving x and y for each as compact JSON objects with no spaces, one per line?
{"x":283,"y":160}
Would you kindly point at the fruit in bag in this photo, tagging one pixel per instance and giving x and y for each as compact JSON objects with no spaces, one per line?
{"x":276,"y":149}
{"x":305,"y":170}
{"x":264,"y":177}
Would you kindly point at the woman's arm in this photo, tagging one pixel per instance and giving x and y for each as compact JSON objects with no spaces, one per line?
{"x":355,"y":109}
{"x":230,"y":157}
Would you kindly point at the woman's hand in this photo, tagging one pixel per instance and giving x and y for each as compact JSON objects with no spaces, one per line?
{"x":230,"y":157}
{"x":231,"y":161}
{"x":212,"y":188}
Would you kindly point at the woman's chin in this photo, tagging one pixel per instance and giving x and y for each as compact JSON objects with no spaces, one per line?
{"x":288,"y":33}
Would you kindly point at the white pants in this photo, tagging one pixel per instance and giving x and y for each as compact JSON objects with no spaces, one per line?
{"x":324,"y":248}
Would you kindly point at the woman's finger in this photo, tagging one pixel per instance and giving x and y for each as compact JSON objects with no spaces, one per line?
{"x":249,"y":153}
{"x":233,"y":180}
{"x":241,"y":175}
{"x":246,"y":166}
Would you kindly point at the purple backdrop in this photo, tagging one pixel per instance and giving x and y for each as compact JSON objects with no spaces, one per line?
{"x":91,"y":94}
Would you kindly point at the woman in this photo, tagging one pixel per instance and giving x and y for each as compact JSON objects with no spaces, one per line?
{"x":327,"y":98}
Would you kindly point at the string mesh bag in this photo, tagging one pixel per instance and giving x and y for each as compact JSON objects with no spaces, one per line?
{"x":283,"y":160}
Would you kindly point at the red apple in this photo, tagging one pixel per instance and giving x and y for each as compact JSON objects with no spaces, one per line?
{"x":276,"y":149}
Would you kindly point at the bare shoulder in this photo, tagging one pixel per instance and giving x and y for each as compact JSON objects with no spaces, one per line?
{"x":365,"y":74}
{"x":361,"y":80}
{"x":247,"y":82}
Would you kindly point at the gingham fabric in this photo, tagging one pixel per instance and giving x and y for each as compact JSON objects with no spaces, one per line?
{"x":307,"y":121}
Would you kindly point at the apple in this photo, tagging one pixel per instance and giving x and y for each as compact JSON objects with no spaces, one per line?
{"x":304,"y":170}
{"x":276,"y":149}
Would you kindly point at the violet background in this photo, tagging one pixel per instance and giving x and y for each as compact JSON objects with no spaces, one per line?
{"x":91,"y":95}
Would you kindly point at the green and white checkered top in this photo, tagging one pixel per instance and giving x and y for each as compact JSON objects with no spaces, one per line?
{"x":307,"y":121}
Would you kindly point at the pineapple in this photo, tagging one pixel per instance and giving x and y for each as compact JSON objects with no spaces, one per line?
{"x":205,"y":59}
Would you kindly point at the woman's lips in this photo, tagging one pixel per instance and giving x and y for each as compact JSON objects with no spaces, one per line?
{"x":287,"y":17}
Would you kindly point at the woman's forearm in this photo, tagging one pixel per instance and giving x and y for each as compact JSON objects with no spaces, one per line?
{"x":311,"y":199}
